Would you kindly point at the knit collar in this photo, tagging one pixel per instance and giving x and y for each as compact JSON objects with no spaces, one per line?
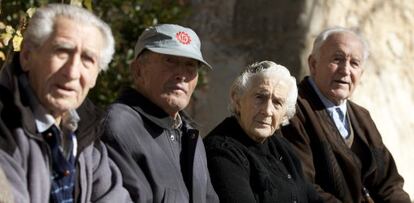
{"x":231,"y":127}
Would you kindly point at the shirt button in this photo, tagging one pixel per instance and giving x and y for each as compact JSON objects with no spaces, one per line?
{"x":49,"y":135}
{"x":289,"y":176}
{"x":172,"y":137}
{"x":66,"y":173}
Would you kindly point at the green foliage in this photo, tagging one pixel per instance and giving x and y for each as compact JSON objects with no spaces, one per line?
{"x":127,"y":19}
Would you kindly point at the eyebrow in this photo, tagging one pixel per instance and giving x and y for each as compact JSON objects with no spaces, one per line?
{"x":64,"y":45}
{"x":71,"y":47}
{"x":90,"y":53}
{"x":341,"y":53}
{"x":336,"y":53}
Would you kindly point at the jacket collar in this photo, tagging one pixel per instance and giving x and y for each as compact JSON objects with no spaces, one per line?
{"x":306,"y":90}
{"x":151,"y":111}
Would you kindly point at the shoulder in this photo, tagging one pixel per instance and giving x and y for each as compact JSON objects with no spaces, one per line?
{"x":212,"y":141}
{"x":358,"y":108}
{"x":222,"y":146}
{"x":220,"y":139}
{"x":117,"y":110}
{"x":119,"y":117}
{"x":225,"y":135}
{"x":124,"y":128}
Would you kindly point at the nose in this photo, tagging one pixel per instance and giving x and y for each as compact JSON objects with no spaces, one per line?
{"x":71,"y":68}
{"x":185,"y":73}
{"x":346,"y":67}
{"x":268,"y":108}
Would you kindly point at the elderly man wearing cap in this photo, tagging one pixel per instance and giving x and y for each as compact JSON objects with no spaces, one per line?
{"x":160,"y":154}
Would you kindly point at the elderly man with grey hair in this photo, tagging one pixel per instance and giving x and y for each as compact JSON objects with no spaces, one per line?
{"x":49,"y":147}
{"x":248,"y":159}
{"x":342,"y":151}
{"x":157,"y":147}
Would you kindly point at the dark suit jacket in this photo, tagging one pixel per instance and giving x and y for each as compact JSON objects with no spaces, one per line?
{"x":337,"y":171}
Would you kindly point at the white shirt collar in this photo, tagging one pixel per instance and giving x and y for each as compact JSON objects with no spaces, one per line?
{"x":330,"y":106}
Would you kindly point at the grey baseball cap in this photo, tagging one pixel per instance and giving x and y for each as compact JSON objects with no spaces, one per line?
{"x":172,"y":40}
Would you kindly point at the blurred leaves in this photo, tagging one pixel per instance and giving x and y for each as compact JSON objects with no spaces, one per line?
{"x":30,"y":12}
{"x":17,"y":40}
{"x":76,"y":2}
{"x":7,"y":35}
{"x":88,"y":4}
{"x":13,"y":20}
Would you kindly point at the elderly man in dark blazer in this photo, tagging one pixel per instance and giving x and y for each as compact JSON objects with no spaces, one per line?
{"x":337,"y":140}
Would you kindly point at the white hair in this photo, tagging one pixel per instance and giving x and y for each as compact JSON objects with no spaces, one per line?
{"x":42,"y":23}
{"x":324,"y":35}
{"x":267,"y":69}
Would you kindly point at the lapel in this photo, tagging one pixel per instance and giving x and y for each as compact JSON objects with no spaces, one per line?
{"x":361,"y":135}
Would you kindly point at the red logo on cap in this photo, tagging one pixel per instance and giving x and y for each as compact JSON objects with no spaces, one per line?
{"x":183,"y":37}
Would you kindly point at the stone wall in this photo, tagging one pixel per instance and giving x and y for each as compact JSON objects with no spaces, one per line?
{"x":235,"y":33}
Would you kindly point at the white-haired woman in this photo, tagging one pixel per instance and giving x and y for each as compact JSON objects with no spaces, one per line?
{"x":248,"y":159}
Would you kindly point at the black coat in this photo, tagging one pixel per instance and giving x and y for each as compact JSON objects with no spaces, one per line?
{"x":243,"y":170}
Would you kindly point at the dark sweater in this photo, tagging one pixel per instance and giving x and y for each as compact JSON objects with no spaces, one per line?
{"x":243,"y":170}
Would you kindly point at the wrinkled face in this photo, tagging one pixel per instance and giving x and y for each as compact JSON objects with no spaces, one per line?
{"x":166,"y":80}
{"x":63,"y":69}
{"x":262,"y":107}
{"x":338,"y":69}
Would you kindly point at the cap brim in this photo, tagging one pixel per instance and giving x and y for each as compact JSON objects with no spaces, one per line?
{"x":182,"y":53}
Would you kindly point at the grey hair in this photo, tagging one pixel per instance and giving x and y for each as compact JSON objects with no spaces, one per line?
{"x":265,"y":69}
{"x":324,"y":35}
{"x":41,"y":26}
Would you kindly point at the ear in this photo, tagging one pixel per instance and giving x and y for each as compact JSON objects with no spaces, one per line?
{"x":135,"y":69}
{"x":25,"y":55}
{"x":284,"y":121}
{"x":312,"y":64}
{"x":235,"y":100}
{"x":93,"y":83}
